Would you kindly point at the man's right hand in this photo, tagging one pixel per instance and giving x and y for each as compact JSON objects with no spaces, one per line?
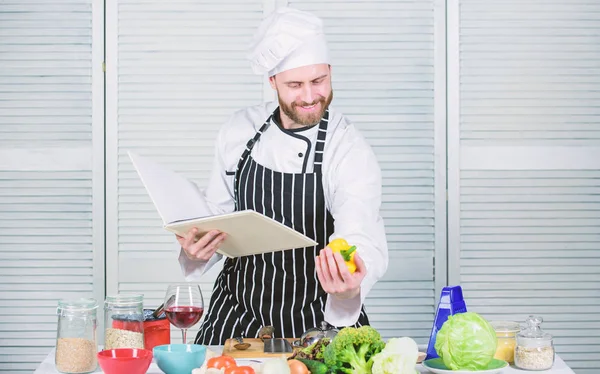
{"x":204,"y":248}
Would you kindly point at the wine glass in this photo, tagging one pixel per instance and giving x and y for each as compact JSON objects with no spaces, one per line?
{"x":184,"y":306}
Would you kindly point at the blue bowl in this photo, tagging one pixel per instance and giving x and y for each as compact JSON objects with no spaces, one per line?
{"x":179,"y":358}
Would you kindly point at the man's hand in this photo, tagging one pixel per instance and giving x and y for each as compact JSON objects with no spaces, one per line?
{"x":335,"y":277}
{"x":204,"y":248}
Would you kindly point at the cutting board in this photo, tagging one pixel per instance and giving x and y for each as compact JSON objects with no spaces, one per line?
{"x":256,"y":349}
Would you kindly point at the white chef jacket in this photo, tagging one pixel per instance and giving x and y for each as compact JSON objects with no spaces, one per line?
{"x":351,"y":184}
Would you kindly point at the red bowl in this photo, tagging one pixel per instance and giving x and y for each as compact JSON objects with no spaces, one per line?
{"x":125,"y":360}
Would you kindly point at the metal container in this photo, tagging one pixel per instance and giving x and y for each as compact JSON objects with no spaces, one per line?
{"x":315,"y":334}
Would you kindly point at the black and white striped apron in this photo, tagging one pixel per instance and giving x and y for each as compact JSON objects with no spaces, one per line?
{"x":278,"y":289}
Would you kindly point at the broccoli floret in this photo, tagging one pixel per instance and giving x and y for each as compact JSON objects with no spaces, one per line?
{"x":352,"y":350}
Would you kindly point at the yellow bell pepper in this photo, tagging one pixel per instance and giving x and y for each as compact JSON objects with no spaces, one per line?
{"x":342,"y":247}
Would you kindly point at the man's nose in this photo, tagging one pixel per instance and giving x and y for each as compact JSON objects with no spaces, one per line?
{"x":307,"y":94}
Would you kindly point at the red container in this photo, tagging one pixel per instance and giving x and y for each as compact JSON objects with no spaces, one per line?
{"x":126,"y":325}
{"x":157,"y":332}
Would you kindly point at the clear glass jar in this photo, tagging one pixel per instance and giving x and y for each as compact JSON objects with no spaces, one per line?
{"x":506,"y":332}
{"x":124,"y":321}
{"x":76,"y":346}
{"x":535,"y":348}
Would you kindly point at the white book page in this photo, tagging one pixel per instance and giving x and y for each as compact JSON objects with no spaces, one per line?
{"x":175,"y":197}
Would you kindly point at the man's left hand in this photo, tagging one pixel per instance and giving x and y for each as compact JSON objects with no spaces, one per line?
{"x":335,"y":277}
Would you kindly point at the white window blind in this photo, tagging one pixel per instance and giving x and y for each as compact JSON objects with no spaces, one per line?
{"x":48,"y":184}
{"x":525,"y":166}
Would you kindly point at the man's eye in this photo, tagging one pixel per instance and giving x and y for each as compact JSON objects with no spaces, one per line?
{"x":294,"y":85}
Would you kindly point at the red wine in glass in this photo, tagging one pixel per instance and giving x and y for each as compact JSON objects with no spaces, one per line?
{"x":184,"y":317}
{"x":184,"y":306}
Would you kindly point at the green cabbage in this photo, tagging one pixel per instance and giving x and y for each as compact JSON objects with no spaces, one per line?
{"x":466,"y":341}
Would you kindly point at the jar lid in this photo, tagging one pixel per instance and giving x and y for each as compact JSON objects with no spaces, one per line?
{"x":506,"y":326}
{"x":125,"y":299}
{"x":533,"y":335}
{"x":77,"y":305}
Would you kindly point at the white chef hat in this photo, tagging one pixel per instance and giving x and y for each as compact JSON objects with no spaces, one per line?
{"x":288,"y":38}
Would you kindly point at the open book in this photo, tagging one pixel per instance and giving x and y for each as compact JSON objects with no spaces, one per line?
{"x":183,"y":206}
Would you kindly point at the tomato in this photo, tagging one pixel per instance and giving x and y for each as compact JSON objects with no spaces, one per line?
{"x":240,"y":370}
{"x":221,"y":362}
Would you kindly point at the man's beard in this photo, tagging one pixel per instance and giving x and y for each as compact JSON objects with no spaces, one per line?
{"x":307,"y":119}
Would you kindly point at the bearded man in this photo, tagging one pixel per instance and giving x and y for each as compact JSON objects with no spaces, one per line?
{"x":302,"y":163}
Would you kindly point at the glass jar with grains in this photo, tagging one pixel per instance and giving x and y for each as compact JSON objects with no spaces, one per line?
{"x":124,"y":321}
{"x":535,"y":349}
{"x":76,"y":346}
{"x":506,"y":332}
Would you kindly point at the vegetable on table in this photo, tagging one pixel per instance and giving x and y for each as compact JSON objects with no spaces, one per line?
{"x":313,"y":351}
{"x":276,"y":366}
{"x":204,"y":368}
{"x":227,"y":365}
{"x":240,"y":370}
{"x":297,"y":367}
{"x":466,"y":341}
{"x":221,"y":362}
{"x":314,"y":366}
{"x":347,"y":251}
{"x":399,"y":356}
{"x":352,"y":349}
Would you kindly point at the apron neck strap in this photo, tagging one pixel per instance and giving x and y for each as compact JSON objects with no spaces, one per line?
{"x":320,"y":146}
{"x":253,"y":141}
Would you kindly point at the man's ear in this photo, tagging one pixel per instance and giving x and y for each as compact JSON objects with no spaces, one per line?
{"x":272,"y":81}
